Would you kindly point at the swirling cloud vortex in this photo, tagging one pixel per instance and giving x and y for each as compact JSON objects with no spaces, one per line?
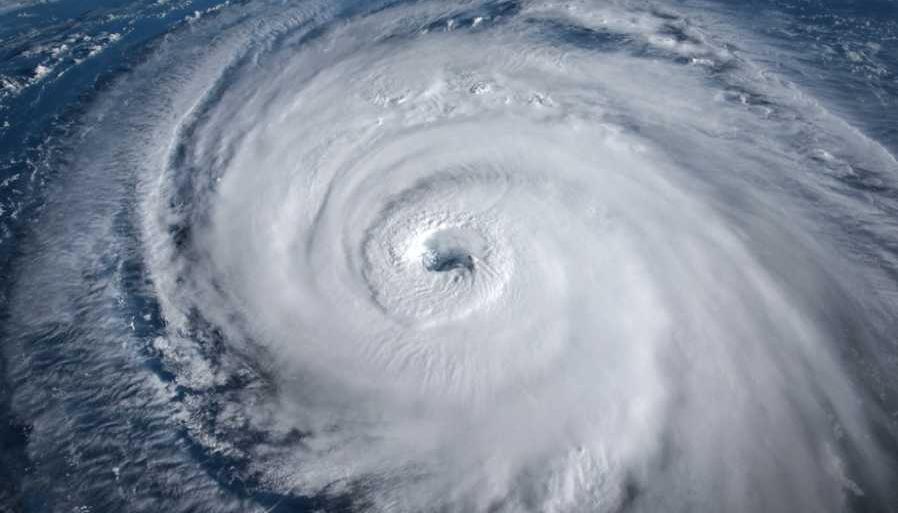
{"x":503,"y":257}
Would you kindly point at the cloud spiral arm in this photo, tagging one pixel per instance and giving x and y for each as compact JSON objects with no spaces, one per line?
{"x":502,"y":257}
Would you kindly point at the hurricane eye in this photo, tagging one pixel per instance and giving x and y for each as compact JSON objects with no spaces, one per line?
{"x":452,"y":249}
{"x":445,"y":260}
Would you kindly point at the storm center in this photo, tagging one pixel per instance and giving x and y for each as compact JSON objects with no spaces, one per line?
{"x":446,"y":251}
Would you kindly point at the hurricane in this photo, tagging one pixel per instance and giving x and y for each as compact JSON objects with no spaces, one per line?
{"x":433,"y":256}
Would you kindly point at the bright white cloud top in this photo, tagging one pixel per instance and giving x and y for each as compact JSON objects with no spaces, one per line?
{"x":547,"y":256}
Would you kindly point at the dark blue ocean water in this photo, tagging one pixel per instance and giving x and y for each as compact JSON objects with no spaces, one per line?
{"x":58,"y":57}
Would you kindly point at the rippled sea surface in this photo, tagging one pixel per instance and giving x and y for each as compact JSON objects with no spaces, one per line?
{"x":448,"y":256}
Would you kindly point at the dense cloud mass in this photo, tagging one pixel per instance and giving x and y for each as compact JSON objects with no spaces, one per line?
{"x":477,"y":256}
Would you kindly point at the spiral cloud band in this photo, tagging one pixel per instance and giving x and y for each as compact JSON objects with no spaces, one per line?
{"x":493,"y":256}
